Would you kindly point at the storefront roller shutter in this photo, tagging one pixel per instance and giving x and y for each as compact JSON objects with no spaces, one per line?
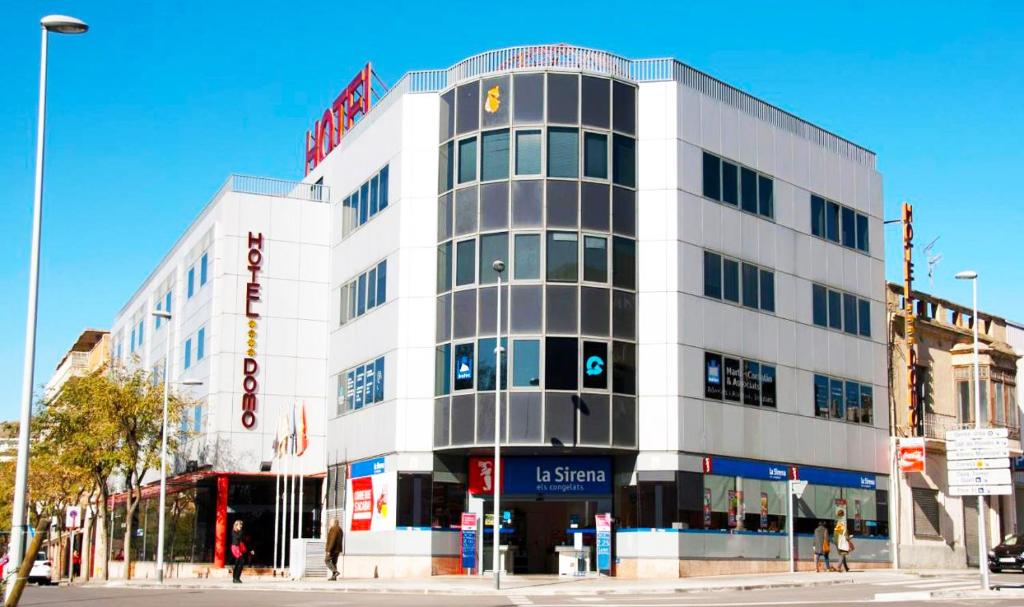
{"x":926,"y":512}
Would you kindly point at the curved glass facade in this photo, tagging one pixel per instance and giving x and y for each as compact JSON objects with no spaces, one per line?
{"x":537,"y":169}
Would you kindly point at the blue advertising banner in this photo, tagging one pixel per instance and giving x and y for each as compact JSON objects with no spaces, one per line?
{"x":838,"y":478}
{"x":746,"y":468}
{"x":469,"y":549}
{"x":604,"y":541}
{"x":367,"y":467}
{"x":557,"y":475}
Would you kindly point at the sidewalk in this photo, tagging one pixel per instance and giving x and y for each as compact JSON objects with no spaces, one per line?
{"x":529,"y":584}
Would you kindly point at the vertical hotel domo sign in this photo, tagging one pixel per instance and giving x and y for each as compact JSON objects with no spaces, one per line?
{"x":253,"y":291}
{"x":352,"y":103}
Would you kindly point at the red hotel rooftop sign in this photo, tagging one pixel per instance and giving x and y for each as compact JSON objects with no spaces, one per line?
{"x":353,"y":102}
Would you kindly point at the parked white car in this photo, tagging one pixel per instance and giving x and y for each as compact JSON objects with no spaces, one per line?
{"x":42,"y":569}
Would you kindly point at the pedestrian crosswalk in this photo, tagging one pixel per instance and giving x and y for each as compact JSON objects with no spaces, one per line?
{"x":518,"y":599}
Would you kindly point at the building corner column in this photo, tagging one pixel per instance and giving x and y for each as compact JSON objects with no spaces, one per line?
{"x":221,"y":531}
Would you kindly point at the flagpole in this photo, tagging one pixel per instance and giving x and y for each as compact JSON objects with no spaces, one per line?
{"x":302,"y":477}
{"x":291,"y":514}
{"x":284,"y":507}
{"x":277,"y":507}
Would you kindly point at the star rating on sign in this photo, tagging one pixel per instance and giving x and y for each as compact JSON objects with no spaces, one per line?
{"x":252,"y":338}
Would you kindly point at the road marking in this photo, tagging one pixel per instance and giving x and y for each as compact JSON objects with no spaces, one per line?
{"x":518,"y":599}
{"x":944,"y":584}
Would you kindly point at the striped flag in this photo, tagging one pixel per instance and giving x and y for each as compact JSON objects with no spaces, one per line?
{"x":302,"y":431}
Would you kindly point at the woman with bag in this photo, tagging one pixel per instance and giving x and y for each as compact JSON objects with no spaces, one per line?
{"x":238,"y":551}
{"x":844,"y":543}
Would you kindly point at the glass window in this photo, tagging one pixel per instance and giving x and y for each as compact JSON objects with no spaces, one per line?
{"x":444,"y":267}
{"x":623,"y":211}
{"x":374,"y":199}
{"x":712,"y":176}
{"x":447,"y":115}
{"x":832,"y":221}
{"x":835,"y":310}
{"x":414,"y":493}
{"x":464,"y":366}
{"x":485,"y":367}
{"x":867,"y":404}
{"x":493,"y":247}
{"x":364,"y":203}
{"x":748,"y":190}
{"x":467,"y":160}
{"x":563,"y":98}
{"x":594,"y":309}
{"x":526,"y":363}
{"x":849,"y":228}
{"x":624,"y":160}
{"x":836,"y":403}
{"x":201,"y":344}
{"x":820,"y":396}
{"x":819,"y":305}
{"x":563,"y":152}
{"x":594,"y":206}
{"x":445,"y":166}
{"x":384,"y":187}
{"x":496,"y":101}
{"x":371,"y":289}
{"x":731,"y":280}
{"x":361,"y":295}
{"x":623,"y":262}
{"x":560,"y":363}
{"x":862,"y":232}
{"x":494,"y":206}
{"x":595,"y":365}
{"x":562,"y":204}
{"x":527,"y":152}
{"x":595,"y":259}
{"x":850,"y":313}
{"x":202,"y":269}
{"x":382,"y":282}
{"x":751,"y":383}
{"x":561,"y":309}
{"x":730,"y":183}
{"x":562,"y":256}
{"x":767,"y":386}
{"x":442,"y":369}
{"x":765,"y":196}
{"x":817,"y":216}
{"x":623,"y":314}
{"x":864,"y":315}
{"x":623,"y":107}
{"x":526,"y":202}
{"x":378,"y":384}
{"x":595,"y":155}
{"x":596,"y":102}
{"x":624,"y":367}
{"x":191,"y":280}
{"x":527,"y":259}
{"x":494,"y":150}
{"x":852,"y":402}
{"x":188,"y":353}
{"x":465,"y":262}
{"x":712,"y":275}
{"x":467,"y":107}
{"x":767,"y":291}
{"x":712,"y":376}
{"x":167,"y":301}
{"x":529,"y":98}
{"x":526,"y":308}
{"x":750,"y":281}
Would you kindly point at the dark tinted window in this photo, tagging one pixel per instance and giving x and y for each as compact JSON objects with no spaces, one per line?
{"x":594,"y":206}
{"x":624,"y":160}
{"x":733,"y":379}
{"x":444,"y":217}
{"x":595,"y":103}
{"x":526,"y":362}
{"x":748,"y":190}
{"x":849,"y":228}
{"x":623,"y":315}
{"x":750,"y":283}
{"x":624,"y":263}
{"x":467,"y":108}
{"x":819,"y":305}
{"x":444,"y":267}
{"x":712,"y":176}
{"x":832,"y":221}
{"x":447,"y":115}
{"x":817,"y":216}
{"x":563,"y":152}
{"x":527,"y":260}
{"x":526,"y":202}
{"x":494,"y":155}
{"x":766,"y":196}
{"x":527,"y":152}
{"x":486,"y":369}
{"x":820,"y":396}
{"x":751,"y":383}
{"x":595,"y":259}
{"x":464,"y":366}
{"x":465,"y":269}
{"x":624,"y":211}
{"x":862,"y":232}
{"x":850,"y":313}
{"x":445,"y":166}
{"x":624,"y":108}
{"x":835,"y":312}
{"x":493,"y":247}
{"x":494,"y":206}
{"x":624,"y":367}
{"x":767,"y":386}
{"x":864,"y":315}
{"x":563,"y":98}
{"x":767,"y":291}
{"x":594,"y":311}
{"x":467,"y":160}
{"x":731,"y":280}
{"x":730,"y":183}
{"x":562,"y":204}
{"x":561,"y":309}
{"x":595,"y":364}
{"x":560,"y":360}
{"x":595,"y":155}
{"x":712,"y":275}
{"x":529,"y":95}
{"x":562,"y":256}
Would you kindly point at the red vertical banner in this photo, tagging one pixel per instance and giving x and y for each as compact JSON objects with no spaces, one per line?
{"x":220,"y":536}
{"x":362,"y":503}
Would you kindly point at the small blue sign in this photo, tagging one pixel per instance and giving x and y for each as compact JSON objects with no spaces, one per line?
{"x":468,"y":549}
{"x":557,"y":475}
{"x":367,"y":467}
{"x":749,"y":469}
{"x":595,"y":365}
{"x":838,"y":478}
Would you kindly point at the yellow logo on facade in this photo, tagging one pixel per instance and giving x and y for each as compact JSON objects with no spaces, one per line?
{"x":493,"y":102}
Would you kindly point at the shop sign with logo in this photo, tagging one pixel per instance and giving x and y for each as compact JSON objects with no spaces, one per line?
{"x":746,"y":468}
{"x":838,"y":478}
{"x":543,"y":475}
{"x":912,"y":455}
{"x":370,"y":491}
{"x":253,"y":294}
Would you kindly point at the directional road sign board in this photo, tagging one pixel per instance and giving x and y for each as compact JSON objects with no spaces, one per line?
{"x":977,"y":464}
{"x":952,"y":435}
{"x":995,"y":476}
{"x":979,"y":443}
{"x":980,"y":490}
{"x":986,"y":453}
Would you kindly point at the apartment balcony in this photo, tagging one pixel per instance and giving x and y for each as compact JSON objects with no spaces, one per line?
{"x":937,"y":424}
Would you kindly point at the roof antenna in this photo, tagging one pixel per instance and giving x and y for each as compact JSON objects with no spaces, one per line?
{"x":933,"y":260}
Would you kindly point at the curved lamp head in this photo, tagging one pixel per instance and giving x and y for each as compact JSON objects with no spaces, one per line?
{"x":62,"y":24}
{"x":966,"y":275}
{"x":498,"y":265}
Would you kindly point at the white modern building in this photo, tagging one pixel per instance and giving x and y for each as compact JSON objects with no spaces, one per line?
{"x":695,"y":315}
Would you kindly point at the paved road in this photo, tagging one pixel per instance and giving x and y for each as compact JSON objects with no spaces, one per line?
{"x":841,"y":595}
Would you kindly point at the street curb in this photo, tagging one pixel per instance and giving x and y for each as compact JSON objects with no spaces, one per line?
{"x":285,"y":587}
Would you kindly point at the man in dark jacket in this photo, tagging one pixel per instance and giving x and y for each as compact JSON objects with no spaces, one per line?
{"x":333,"y":548}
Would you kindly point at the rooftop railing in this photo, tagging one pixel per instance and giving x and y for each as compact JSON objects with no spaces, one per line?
{"x":267,"y":186}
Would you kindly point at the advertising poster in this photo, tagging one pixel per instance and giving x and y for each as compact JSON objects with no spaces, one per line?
{"x":712,"y":376}
{"x":371,"y":496}
{"x":732,"y":508}
{"x":603,"y":526}
{"x":707,"y":508}
{"x":858,"y":518}
{"x":912,"y":455}
{"x":764,"y":511}
{"x":362,"y":503}
{"x":840,"y":517}
{"x":741,"y":510}
{"x":469,"y":544}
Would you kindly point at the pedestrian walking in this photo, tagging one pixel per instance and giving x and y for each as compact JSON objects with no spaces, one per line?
{"x":238,"y":551}
{"x":76,"y":564}
{"x":844,"y":544}
{"x":821,"y":547}
{"x":332,"y":548}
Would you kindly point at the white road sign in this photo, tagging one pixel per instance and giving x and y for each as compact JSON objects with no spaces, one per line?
{"x":979,"y":443}
{"x":798,"y":488}
{"x":985,"y":453}
{"x":73,"y":517}
{"x":978,"y":464}
{"x":982,"y":490}
{"x":995,"y":476}
{"x":952,"y":435}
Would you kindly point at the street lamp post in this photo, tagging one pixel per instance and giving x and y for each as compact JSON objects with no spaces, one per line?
{"x":499,"y":267}
{"x":982,"y":539}
{"x":164,"y":315}
{"x":61,"y":25}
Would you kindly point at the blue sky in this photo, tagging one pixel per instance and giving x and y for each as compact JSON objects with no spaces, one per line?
{"x":150,"y":111}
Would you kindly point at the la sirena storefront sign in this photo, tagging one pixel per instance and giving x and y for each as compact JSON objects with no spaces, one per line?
{"x":253,"y":293}
{"x":351,"y":103}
